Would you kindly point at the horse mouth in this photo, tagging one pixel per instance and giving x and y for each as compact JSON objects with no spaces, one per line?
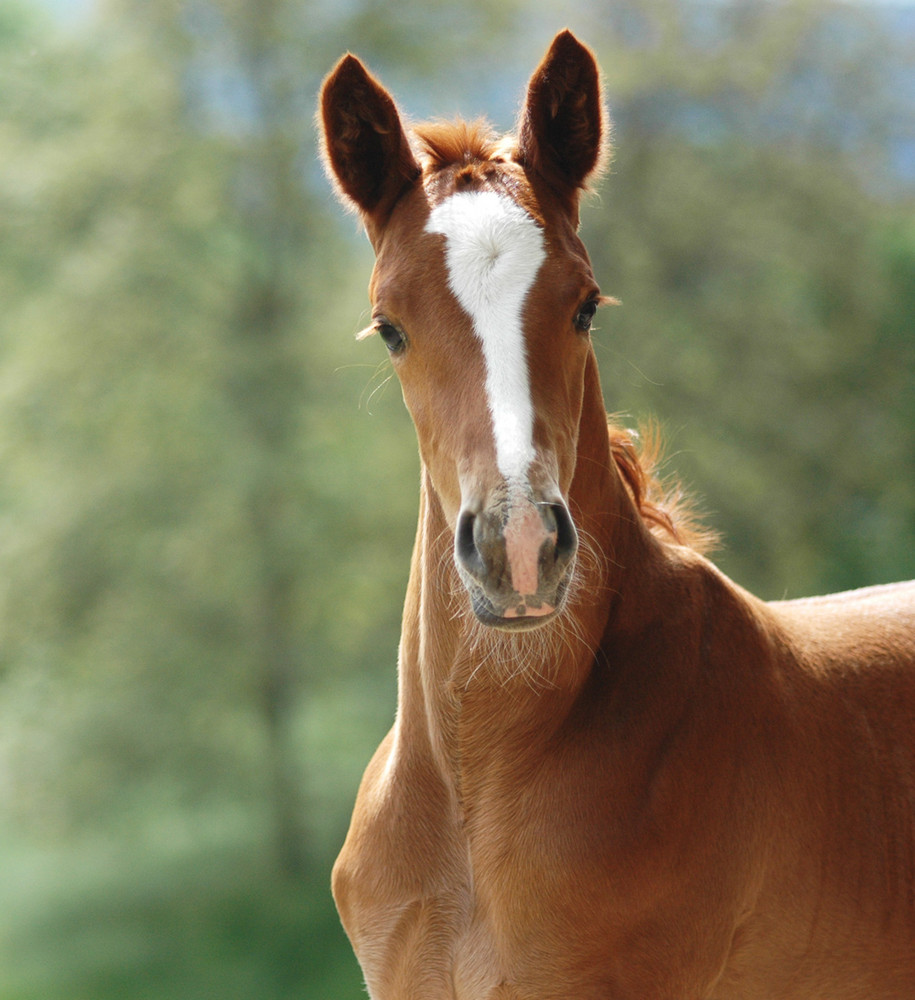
{"x":517,"y":614}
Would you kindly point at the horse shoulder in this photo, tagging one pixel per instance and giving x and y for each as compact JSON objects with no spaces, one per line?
{"x":840,"y":859}
{"x":788,"y":769}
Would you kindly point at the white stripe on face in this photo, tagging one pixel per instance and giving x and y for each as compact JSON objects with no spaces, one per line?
{"x":494,"y":250}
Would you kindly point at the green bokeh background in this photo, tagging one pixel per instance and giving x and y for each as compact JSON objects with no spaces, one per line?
{"x":208,"y":488}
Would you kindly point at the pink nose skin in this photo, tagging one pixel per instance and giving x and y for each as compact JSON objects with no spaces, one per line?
{"x":524,"y":537}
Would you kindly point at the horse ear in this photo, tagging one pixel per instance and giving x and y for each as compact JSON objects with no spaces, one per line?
{"x":562,"y":132}
{"x":366,"y":151}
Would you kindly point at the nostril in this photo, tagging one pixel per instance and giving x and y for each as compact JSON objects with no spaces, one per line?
{"x":465,"y":546}
{"x":566,"y":535}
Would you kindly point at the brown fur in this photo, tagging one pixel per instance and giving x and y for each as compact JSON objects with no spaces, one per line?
{"x":670,"y":790}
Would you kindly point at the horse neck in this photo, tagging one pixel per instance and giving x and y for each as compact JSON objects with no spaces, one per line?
{"x":446,"y":656}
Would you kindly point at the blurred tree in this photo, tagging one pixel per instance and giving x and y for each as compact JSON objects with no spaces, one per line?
{"x":750,"y":240}
{"x":207,"y":494}
{"x":186,"y":517}
{"x":160,"y":521}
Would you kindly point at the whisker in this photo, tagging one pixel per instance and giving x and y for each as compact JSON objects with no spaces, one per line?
{"x":521,"y":661}
{"x":382,"y":368}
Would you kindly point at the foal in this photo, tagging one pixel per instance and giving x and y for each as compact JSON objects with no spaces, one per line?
{"x":613,"y":773}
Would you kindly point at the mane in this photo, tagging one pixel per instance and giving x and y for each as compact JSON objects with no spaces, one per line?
{"x":665,"y":507}
{"x":442,"y":144}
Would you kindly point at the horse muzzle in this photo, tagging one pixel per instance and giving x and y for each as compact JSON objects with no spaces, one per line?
{"x":515,"y":558}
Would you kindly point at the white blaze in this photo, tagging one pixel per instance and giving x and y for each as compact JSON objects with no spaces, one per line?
{"x":493,"y":250}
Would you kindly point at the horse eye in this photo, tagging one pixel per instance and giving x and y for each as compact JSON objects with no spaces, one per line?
{"x":393,"y":339}
{"x":585,"y":316}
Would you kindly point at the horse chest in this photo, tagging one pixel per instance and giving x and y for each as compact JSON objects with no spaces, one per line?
{"x":483,"y":900}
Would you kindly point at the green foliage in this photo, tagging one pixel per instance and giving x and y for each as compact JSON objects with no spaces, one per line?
{"x":209,"y":491}
{"x":763,"y":277}
{"x":149,"y":922}
{"x":758,"y":327}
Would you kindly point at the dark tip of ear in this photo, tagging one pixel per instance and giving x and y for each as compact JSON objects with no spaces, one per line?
{"x":562,"y":130}
{"x":565,"y":44}
{"x":347,"y":71}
